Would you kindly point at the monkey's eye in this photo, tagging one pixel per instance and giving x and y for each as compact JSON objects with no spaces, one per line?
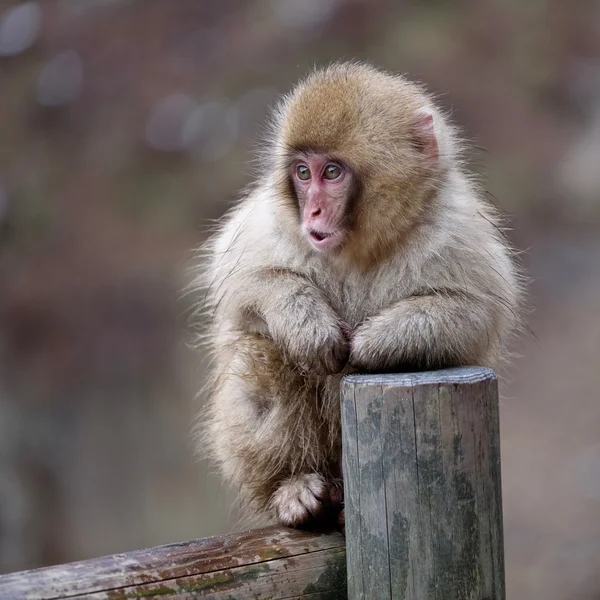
{"x":303,"y":172}
{"x":332,"y":172}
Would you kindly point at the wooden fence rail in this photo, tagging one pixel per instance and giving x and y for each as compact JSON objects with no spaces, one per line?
{"x":264,"y":563}
{"x":423,"y":514}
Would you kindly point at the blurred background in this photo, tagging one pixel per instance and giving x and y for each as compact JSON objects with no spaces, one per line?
{"x":126,"y":125}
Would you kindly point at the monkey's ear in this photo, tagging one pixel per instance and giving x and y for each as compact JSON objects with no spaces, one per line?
{"x":424,"y":136}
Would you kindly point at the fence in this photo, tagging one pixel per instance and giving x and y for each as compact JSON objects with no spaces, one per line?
{"x":423,"y":514}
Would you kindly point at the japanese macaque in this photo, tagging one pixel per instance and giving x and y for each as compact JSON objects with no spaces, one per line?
{"x":363,"y":246}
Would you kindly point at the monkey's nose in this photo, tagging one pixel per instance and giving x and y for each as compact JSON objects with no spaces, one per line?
{"x":315,"y":212}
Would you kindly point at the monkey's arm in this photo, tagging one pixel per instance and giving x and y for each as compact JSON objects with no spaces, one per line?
{"x":427,"y":332}
{"x":295,"y":314}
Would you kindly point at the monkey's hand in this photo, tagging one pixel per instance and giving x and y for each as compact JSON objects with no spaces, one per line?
{"x":424,"y":332}
{"x":312,"y":338}
{"x":368,"y":339}
{"x":296,"y":315}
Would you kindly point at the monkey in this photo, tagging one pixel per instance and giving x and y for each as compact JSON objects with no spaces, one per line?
{"x":364,"y":244}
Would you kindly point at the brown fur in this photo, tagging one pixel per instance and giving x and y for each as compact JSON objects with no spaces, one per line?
{"x":424,"y":280}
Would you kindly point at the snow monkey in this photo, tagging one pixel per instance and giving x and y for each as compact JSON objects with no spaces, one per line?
{"x":363,"y":245}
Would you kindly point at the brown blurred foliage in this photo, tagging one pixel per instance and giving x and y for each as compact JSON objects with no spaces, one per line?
{"x":127,"y":125}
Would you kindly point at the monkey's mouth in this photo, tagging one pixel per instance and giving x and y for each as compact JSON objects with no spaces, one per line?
{"x":319,"y":236}
{"x":324,"y":239}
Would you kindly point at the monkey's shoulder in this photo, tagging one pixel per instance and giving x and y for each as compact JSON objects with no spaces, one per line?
{"x":250,"y":223}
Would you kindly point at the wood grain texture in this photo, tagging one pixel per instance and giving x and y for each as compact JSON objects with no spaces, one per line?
{"x":422,"y":486}
{"x":272,"y":563}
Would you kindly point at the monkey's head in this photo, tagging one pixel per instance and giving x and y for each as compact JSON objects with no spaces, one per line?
{"x":358,"y":155}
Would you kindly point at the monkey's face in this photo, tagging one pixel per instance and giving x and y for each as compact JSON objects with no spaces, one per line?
{"x":324,"y":188}
{"x":356,"y":161}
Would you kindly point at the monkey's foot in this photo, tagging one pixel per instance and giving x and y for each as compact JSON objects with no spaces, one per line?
{"x":305,"y":500}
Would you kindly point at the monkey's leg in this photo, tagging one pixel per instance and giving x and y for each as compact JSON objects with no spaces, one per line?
{"x":276,"y":435}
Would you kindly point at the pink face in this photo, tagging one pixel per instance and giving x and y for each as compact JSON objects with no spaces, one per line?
{"x":324,"y":188}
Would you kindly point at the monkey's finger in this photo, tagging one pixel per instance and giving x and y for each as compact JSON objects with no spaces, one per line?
{"x":348,"y":331}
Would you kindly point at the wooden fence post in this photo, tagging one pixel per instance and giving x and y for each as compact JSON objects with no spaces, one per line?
{"x":423,"y":504}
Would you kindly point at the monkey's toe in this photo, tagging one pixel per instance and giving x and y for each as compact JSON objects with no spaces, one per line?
{"x":300,"y":500}
{"x":336,"y":494}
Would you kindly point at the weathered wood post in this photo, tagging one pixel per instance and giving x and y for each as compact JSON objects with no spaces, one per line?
{"x":422,"y":486}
